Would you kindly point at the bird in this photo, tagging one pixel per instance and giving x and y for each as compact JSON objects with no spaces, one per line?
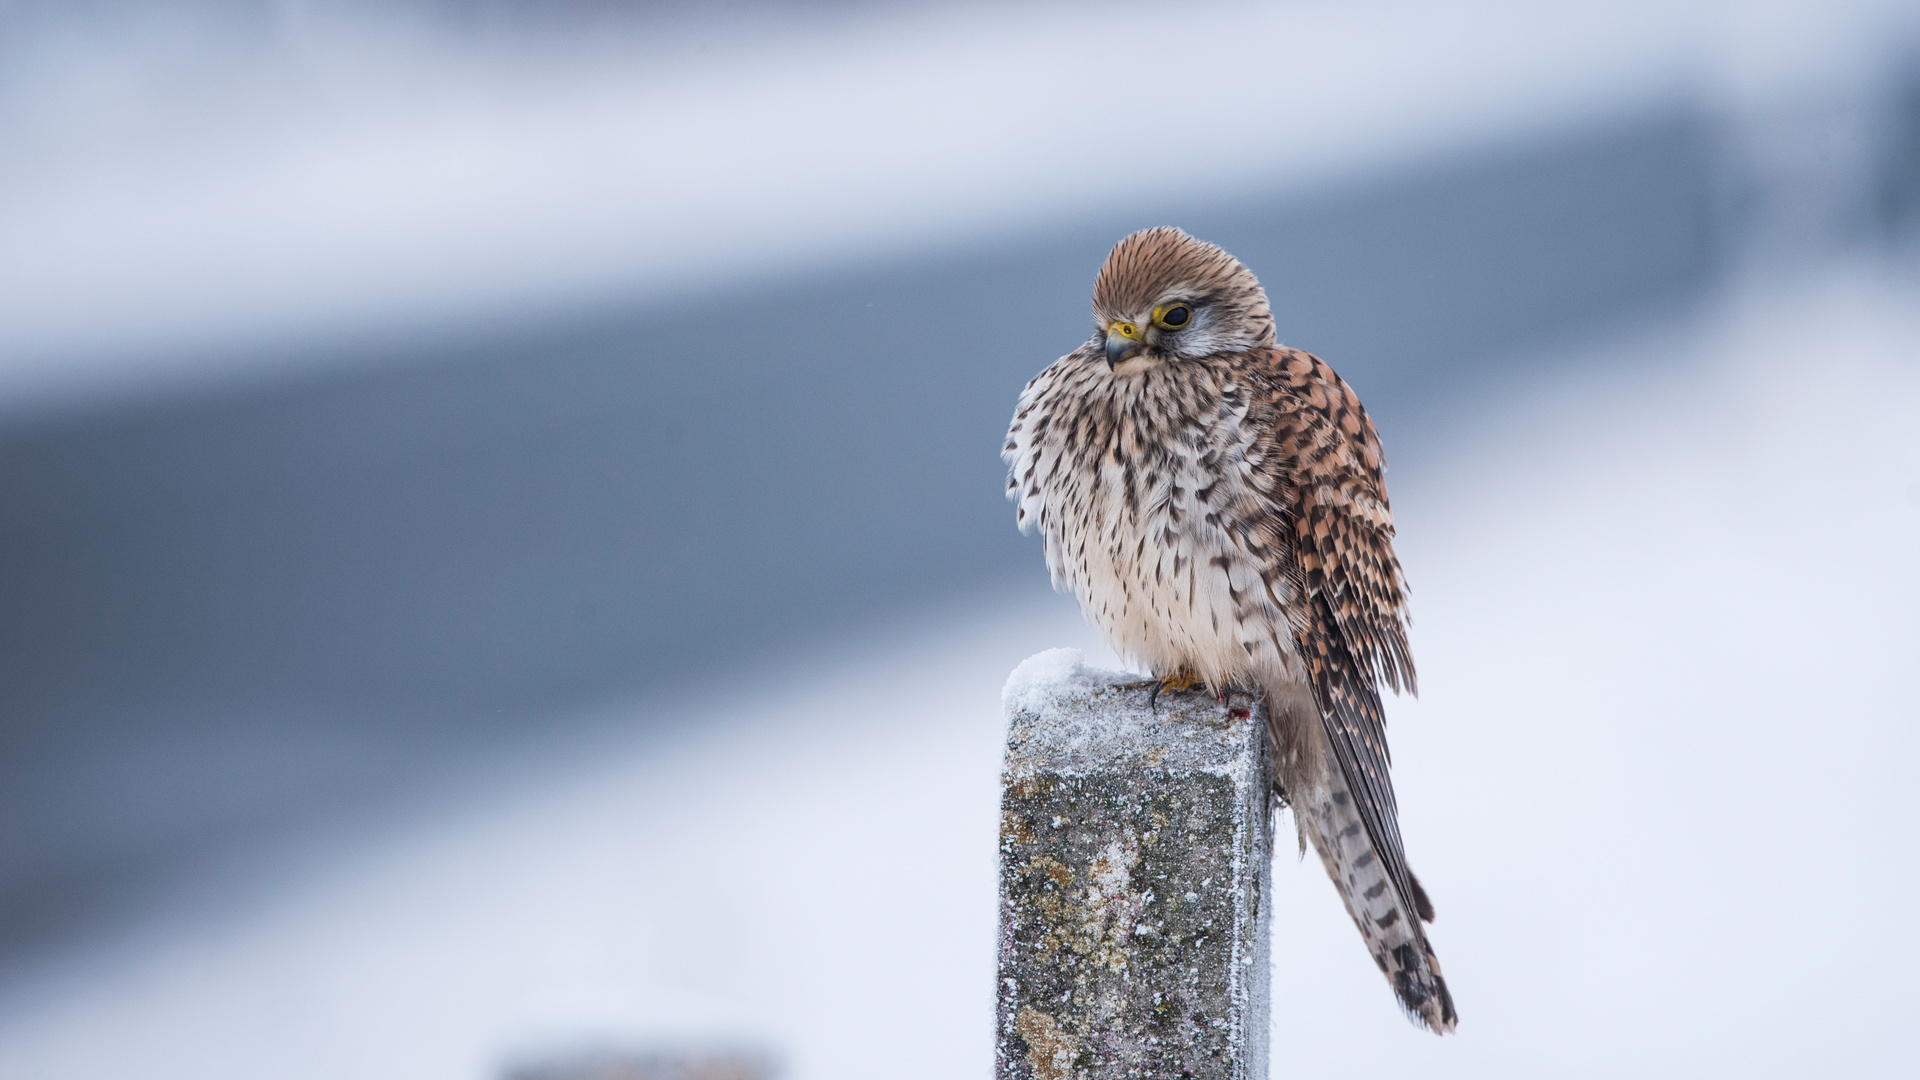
{"x":1216,"y":502}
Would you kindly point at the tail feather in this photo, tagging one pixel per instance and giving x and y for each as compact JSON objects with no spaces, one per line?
{"x":1420,"y":902}
{"x":1346,"y":806}
{"x":1392,"y":931}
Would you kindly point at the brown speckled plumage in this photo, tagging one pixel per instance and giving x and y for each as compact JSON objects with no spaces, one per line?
{"x":1216,"y":502}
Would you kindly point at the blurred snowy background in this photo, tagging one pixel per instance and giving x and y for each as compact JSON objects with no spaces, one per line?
{"x":502,"y":551}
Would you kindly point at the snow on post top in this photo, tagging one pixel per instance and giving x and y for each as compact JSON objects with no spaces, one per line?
{"x":1066,"y":718}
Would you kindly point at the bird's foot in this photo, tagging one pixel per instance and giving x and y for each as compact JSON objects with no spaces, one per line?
{"x":1176,"y":683}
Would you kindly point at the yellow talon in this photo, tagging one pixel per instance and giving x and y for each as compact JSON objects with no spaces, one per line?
{"x":1179,"y":681}
{"x":1175,"y":683}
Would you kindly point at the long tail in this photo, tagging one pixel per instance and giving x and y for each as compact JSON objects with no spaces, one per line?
{"x":1392,"y":932}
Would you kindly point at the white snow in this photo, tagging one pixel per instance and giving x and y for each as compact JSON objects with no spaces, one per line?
{"x":1061,"y":724}
{"x":1047,"y":676}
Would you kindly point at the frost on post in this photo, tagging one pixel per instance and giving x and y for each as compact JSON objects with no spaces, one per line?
{"x":1135,"y":861}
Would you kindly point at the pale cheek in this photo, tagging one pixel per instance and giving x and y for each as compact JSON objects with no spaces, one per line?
{"x":1202,"y":341}
{"x":1204,"y":338}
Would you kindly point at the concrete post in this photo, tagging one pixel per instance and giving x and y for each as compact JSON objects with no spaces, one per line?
{"x":1135,"y":864}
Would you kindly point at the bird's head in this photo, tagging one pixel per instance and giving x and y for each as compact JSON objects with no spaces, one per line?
{"x":1164,"y":296}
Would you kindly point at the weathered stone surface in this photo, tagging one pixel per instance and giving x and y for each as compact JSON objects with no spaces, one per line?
{"x":1135,"y":864}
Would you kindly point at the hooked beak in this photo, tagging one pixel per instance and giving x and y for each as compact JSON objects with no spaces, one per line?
{"x":1123,"y":340}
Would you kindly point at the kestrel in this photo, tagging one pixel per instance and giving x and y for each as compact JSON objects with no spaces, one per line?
{"x":1215,"y":501}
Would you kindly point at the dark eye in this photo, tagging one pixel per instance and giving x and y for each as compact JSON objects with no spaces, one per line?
{"x":1172,"y":316}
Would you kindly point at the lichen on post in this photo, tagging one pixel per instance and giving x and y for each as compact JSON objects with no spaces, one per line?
{"x":1135,"y":864}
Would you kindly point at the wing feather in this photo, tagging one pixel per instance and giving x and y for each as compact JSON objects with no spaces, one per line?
{"x":1353,"y":638}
